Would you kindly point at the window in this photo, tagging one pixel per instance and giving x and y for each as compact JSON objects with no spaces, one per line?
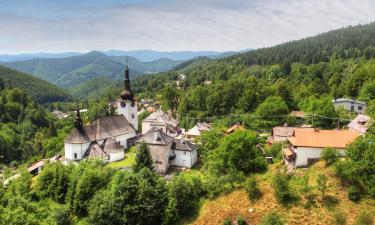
{"x":75,"y":155}
{"x":359,"y":107}
{"x":173,"y":152}
{"x":352,"y":108}
{"x":133,"y":116}
{"x":184,"y":152}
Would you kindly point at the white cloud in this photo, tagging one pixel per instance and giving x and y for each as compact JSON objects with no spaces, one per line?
{"x":181,"y":25}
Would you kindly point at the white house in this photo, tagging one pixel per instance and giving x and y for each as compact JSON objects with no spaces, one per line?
{"x":350,"y":105}
{"x":163,"y":121}
{"x":360,"y":124}
{"x":306,"y":145}
{"x":197,"y":130}
{"x":185,"y":153}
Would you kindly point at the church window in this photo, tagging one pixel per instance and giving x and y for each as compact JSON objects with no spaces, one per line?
{"x":75,"y":155}
{"x":133,"y":116}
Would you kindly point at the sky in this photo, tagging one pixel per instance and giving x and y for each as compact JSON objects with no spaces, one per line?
{"x":169,"y":25}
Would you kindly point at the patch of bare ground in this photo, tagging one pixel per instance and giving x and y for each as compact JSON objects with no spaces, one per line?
{"x":319,"y":213}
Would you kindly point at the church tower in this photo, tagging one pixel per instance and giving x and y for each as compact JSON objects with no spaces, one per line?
{"x":127,"y":105}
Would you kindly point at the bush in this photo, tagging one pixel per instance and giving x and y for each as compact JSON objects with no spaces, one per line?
{"x":272,"y":219}
{"x":241,"y":220}
{"x":227,"y":221}
{"x":340,"y":218}
{"x":62,"y":216}
{"x":364,"y":218}
{"x":329,"y":155}
{"x":282,"y":190}
{"x":354,"y":194}
{"x":252,"y":189}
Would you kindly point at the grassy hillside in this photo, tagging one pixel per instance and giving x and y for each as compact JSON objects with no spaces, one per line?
{"x":96,"y":87}
{"x":40,"y":90}
{"x":236,"y":203}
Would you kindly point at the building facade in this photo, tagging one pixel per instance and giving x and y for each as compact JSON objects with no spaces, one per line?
{"x":350,"y":105}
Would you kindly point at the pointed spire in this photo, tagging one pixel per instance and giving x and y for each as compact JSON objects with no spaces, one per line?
{"x":127,"y":93}
{"x":78,"y":122}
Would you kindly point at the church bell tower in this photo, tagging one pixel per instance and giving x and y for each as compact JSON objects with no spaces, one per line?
{"x":127,"y":105}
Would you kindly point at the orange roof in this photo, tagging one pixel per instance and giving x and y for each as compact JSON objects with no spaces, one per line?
{"x":234,"y":128}
{"x":322,"y":138}
{"x":297,"y":114}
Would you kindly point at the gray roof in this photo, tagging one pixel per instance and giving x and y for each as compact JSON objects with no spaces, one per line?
{"x":348,"y":100}
{"x":183,"y":145}
{"x":161,"y":117}
{"x":155,"y":136}
{"x":100,"y":129}
{"x":360,"y":123}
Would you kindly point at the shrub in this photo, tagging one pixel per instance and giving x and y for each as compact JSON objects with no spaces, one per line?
{"x":329,"y":155}
{"x":322,"y":184}
{"x":364,"y":218}
{"x":340,"y":218}
{"x":354,"y":194}
{"x":62,"y":216}
{"x":252,"y":188}
{"x":227,"y":221}
{"x":241,"y":220}
{"x":272,"y":219}
{"x":282,"y":190}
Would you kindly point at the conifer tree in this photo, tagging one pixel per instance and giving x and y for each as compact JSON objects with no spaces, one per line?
{"x":143,"y":158}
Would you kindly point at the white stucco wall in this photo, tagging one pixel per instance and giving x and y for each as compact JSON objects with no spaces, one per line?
{"x":123,"y":139}
{"x":161,"y":154}
{"x":80,"y":149}
{"x":184,"y":158}
{"x":348,"y":106}
{"x":116,"y":156}
{"x":130,"y":113}
{"x":305,"y":153}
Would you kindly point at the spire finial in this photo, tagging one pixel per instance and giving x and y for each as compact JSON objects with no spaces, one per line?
{"x":78,"y":122}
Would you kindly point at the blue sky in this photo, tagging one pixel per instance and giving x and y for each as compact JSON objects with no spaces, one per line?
{"x":167,"y":25}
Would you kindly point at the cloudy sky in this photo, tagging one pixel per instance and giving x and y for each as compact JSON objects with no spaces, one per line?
{"x":169,"y":25}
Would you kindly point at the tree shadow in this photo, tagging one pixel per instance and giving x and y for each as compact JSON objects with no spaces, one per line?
{"x":330,"y":201}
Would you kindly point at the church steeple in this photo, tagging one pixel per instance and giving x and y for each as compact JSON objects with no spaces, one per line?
{"x":127,"y":94}
{"x":78,"y":122}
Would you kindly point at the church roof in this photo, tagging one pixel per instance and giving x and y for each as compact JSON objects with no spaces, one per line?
{"x":155,"y":136}
{"x":161,"y":117}
{"x":100,"y":129}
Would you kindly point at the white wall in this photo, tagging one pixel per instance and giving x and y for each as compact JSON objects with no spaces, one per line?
{"x":116,"y":156}
{"x":130,"y":112}
{"x":80,"y":149}
{"x":305,"y":153}
{"x":348,"y":105}
{"x":184,"y":158}
{"x":123,"y":139}
{"x":146,"y":126}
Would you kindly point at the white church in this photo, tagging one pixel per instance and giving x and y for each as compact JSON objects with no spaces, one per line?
{"x":107,"y":137}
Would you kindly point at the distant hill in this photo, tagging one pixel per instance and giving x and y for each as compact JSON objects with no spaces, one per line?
{"x":93,"y":88}
{"x":40,"y":90}
{"x":71,"y":71}
{"x":39,"y":55}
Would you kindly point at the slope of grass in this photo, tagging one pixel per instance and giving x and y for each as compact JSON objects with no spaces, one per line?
{"x":128,"y":161}
{"x":321,"y":212}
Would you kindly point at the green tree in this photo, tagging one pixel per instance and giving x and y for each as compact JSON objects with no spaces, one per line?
{"x":282,"y":189}
{"x":272,"y":110}
{"x":143,"y":158}
{"x":322,"y":184}
{"x":329,"y":155}
{"x":171,"y":98}
{"x":272,"y":219}
{"x":252,"y":188}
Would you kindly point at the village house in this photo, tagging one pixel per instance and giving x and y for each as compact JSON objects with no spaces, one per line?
{"x":197,"y":130}
{"x":306,"y":145}
{"x":281,"y":134}
{"x":167,"y":151}
{"x":106,"y":138}
{"x":360,"y":124}
{"x":350,"y":105}
{"x":163,"y":121}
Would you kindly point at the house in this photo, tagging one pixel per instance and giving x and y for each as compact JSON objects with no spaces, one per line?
{"x":234,"y":128}
{"x":163,"y":121}
{"x":186,"y":153}
{"x":106,"y":138}
{"x":306,"y":145}
{"x":60,"y":115}
{"x":160,"y":145}
{"x":360,"y":124}
{"x":197,"y":130}
{"x":350,"y":105}
{"x":281,"y":134}
{"x":167,"y":151}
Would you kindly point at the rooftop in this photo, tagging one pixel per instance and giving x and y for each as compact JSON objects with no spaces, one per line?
{"x":360,"y":123}
{"x":155,"y":136}
{"x":322,"y":138}
{"x":348,"y":100}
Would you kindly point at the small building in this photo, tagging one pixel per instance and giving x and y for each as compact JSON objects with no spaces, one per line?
{"x":186,"y":153}
{"x":350,"y":105}
{"x":60,"y":115}
{"x":197,"y":130}
{"x":306,"y":145}
{"x":163,"y":121}
{"x":360,"y":124}
{"x":160,"y":145}
{"x":281,"y":134}
{"x":234,"y":128}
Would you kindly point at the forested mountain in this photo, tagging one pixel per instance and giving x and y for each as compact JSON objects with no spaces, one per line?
{"x":70,"y":71}
{"x":40,"y":90}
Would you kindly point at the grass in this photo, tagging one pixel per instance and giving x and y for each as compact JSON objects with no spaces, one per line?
{"x":128,"y":161}
{"x":320,"y":213}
